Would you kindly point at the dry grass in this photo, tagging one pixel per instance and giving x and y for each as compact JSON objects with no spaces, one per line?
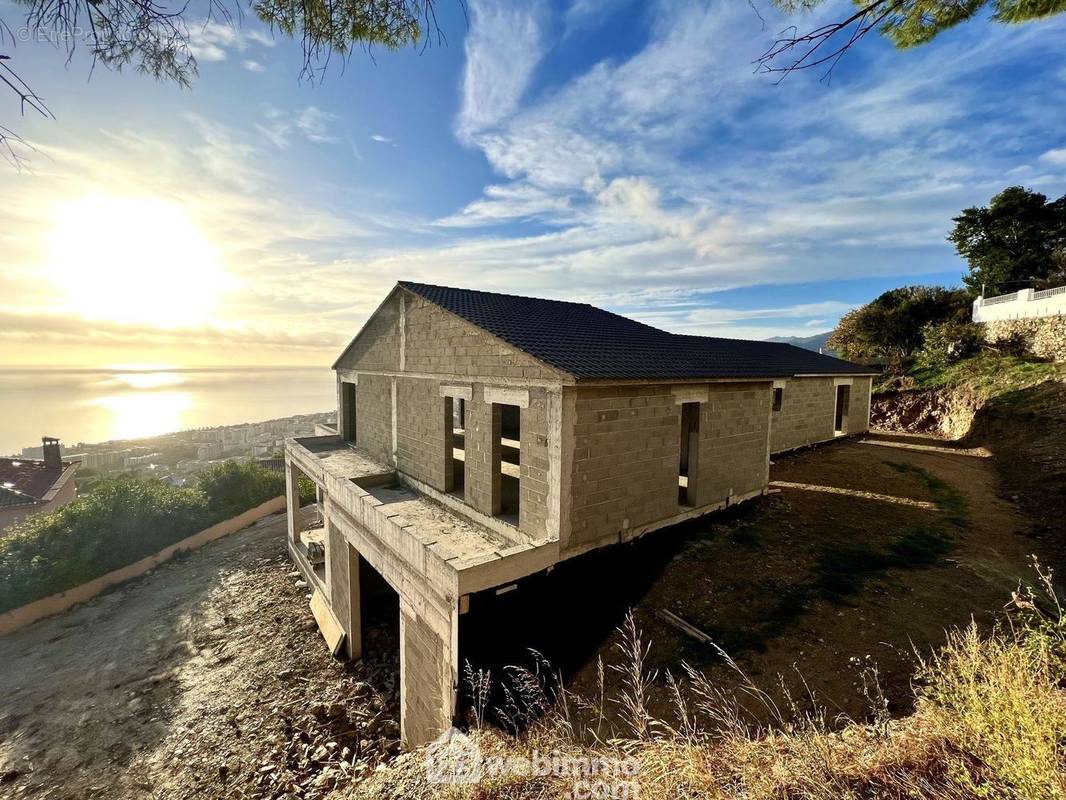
{"x":990,"y":722}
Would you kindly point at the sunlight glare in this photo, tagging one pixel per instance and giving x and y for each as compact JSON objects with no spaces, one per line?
{"x":139,"y":414}
{"x":134,"y":260}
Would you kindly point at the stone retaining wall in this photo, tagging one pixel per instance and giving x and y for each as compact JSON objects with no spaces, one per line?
{"x":1044,"y":337}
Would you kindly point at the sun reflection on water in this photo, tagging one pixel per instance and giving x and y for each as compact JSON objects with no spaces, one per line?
{"x":149,"y":380}
{"x":144,"y":413}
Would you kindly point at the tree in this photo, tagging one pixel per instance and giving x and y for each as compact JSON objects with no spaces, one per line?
{"x":155,"y":39}
{"x":890,"y":328}
{"x":1018,"y":238}
{"x":906,"y":23}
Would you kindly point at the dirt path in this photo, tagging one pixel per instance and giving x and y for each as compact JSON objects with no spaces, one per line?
{"x":205,"y":679}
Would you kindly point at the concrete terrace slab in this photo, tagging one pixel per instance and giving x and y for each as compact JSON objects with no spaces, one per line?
{"x":481,"y":556}
{"x":443,"y":531}
{"x":341,"y":460}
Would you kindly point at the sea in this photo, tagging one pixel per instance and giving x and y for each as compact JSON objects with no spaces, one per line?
{"x":92,"y":405}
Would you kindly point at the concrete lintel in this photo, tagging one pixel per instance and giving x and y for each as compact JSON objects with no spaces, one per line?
{"x":507,"y":397}
{"x":780,"y":384}
{"x":690,"y":394}
{"x":463,"y":392}
{"x":843,"y":381}
{"x":487,"y":574}
{"x":348,"y":376}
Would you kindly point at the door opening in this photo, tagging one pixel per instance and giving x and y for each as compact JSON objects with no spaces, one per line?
{"x":843,"y":401}
{"x":690,"y":454}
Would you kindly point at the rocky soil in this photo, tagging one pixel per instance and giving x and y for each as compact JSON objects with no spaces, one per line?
{"x":205,"y":679}
{"x":931,"y":411}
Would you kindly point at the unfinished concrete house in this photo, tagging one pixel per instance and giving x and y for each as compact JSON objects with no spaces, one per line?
{"x":485,"y":437}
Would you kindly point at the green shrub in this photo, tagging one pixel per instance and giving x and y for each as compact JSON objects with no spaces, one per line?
{"x":233,"y":487}
{"x":947,"y":342}
{"x":122,"y":521}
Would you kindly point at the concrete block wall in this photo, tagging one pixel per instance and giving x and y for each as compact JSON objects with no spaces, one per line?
{"x":373,"y":418}
{"x":441,"y":343}
{"x":420,"y":440}
{"x":733,"y":441}
{"x":420,"y":435}
{"x":808,"y":407}
{"x":626,"y":454}
{"x":378,"y":347}
{"x":808,"y":412}
{"x":859,"y":410}
{"x":628,"y":445}
{"x":426,"y":678}
{"x":533,"y":506}
{"x":478,"y":451}
{"x":339,"y":582}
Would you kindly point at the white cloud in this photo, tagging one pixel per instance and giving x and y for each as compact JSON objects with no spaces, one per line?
{"x":503,"y":47}
{"x":584,"y":14}
{"x":377,"y":137}
{"x":212,"y":41}
{"x":254,"y":66}
{"x":315,"y":123}
{"x":1056,"y":157}
{"x":311,"y":122}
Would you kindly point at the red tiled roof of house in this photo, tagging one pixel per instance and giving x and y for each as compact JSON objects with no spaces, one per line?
{"x":24,"y":480}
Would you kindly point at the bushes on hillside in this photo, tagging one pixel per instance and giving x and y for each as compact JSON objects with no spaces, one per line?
{"x":121,"y":521}
{"x":233,"y":487}
{"x":889,"y":328}
{"x":945,"y":343}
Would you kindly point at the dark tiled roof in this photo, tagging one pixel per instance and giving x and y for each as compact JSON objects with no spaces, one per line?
{"x":590,"y":343}
{"x":10,"y":499}
{"x":26,"y":480}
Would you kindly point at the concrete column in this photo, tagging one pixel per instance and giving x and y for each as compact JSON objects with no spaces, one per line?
{"x":355,"y":606}
{"x":292,"y":498}
{"x":495,"y":459}
{"x":342,"y":582}
{"x":429,"y":671}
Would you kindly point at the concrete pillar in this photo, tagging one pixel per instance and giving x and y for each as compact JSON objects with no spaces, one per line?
{"x":429,"y":671}
{"x":355,"y":606}
{"x":345,"y":594}
{"x":292,"y":499}
{"x":495,"y":459}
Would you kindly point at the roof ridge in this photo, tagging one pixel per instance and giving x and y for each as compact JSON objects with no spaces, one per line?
{"x":409,"y":284}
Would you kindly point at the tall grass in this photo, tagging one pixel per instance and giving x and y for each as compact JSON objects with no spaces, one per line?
{"x":989,"y":722}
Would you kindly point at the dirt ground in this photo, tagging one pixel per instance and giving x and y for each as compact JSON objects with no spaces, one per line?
{"x":205,"y":679}
{"x":811,"y":587}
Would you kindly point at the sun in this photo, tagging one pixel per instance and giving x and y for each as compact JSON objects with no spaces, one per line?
{"x":134,"y":260}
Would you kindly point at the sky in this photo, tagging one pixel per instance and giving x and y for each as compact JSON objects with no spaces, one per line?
{"x":625,"y":154}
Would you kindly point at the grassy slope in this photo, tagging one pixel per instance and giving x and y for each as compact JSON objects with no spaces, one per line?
{"x":989,"y":722}
{"x":989,"y":374}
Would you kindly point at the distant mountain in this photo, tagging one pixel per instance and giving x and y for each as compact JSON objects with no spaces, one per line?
{"x":815,"y":343}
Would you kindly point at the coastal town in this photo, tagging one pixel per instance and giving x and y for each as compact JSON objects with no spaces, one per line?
{"x":179,"y":456}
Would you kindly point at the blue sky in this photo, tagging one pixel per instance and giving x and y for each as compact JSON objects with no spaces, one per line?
{"x":620,"y":153}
